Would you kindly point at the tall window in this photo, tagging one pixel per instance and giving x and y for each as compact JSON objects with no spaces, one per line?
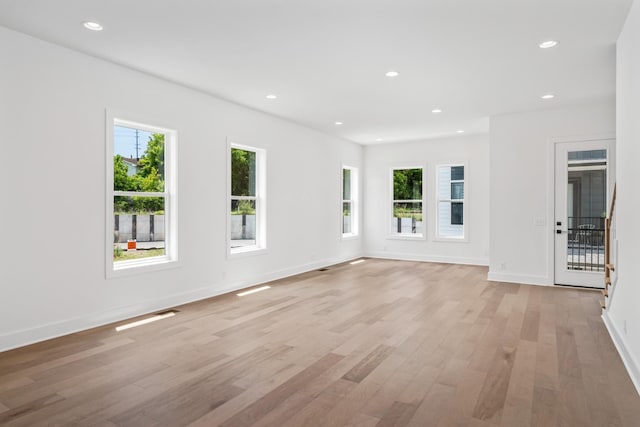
{"x":247,"y":202}
{"x":407,"y":204}
{"x":140,"y":195}
{"x":349,"y":201}
{"x":451,"y":201}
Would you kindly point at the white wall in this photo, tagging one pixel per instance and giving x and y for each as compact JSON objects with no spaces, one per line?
{"x":521,"y":180}
{"x":52,"y":251}
{"x":623,"y":316}
{"x":379,"y":159}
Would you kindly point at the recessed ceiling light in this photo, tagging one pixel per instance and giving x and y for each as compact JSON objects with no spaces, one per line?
{"x":338,"y":123}
{"x":378,"y":139}
{"x":460,"y":131}
{"x":392,"y":74}
{"x":548,"y":96}
{"x":436,"y":111}
{"x":548,"y":44}
{"x":271,"y":96}
{"x":93,"y":26}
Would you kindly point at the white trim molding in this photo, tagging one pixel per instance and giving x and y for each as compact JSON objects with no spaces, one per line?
{"x":260,"y":200}
{"x":465,"y":203}
{"x":391,"y":234}
{"x":519,"y":278}
{"x":632,"y":365}
{"x":170,"y":259}
{"x":354,"y":202}
{"x":428,"y":258}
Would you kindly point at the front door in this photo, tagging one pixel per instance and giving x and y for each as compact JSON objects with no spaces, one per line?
{"x":581,"y":189}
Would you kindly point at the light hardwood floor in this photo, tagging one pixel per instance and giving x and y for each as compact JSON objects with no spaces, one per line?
{"x":381,"y":343}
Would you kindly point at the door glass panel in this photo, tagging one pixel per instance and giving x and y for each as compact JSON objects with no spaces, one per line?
{"x":457,"y":190}
{"x":457,"y":173}
{"x":586,"y":209}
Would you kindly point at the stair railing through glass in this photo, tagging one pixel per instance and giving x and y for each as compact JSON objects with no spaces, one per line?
{"x":585,"y":244}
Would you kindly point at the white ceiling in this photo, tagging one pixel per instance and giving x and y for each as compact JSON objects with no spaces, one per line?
{"x":326,"y":59}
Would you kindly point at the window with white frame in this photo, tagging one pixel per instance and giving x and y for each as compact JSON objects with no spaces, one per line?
{"x":407,"y":204}
{"x":349,"y":201}
{"x":451,"y":201}
{"x":247,"y":199}
{"x":141,"y":211}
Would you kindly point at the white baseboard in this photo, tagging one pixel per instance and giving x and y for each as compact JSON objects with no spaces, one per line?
{"x":633,"y":368}
{"x":519,"y":278}
{"x":51,"y":330}
{"x":428,"y":258}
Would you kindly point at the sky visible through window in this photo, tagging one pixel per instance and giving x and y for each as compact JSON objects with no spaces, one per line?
{"x":125,"y":142}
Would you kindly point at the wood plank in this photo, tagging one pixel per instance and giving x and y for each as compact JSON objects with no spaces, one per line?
{"x":531,"y":323}
{"x":361,"y":420}
{"x":27,"y":408}
{"x":180,"y":405}
{"x":398,"y":415}
{"x":322,"y":403}
{"x":267,"y":403}
{"x":462,"y":405}
{"x":544,"y":410}
{"x":362,"y":393}
{"x":494,"y":391}
{"x":518,"y":403}
{"x":234,"y":406}
{"x":433,"y":407}
{"x":368,"y":364}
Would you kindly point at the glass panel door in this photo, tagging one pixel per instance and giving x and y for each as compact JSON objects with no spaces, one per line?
{"x":586,"y":209}
{"x":581,"y":205}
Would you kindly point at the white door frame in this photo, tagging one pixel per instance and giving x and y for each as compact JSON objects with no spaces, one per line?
{"x":577,"y":278}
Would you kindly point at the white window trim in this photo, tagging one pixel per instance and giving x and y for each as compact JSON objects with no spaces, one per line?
{"x":260,"y":247}
{"x":170,"y":259}
{"x":405,"y":236}
{"x":465,"y":205}
{"x":355,"y":208}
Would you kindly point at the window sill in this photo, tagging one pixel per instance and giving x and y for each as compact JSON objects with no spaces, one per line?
{"x":451,"y":239}
{"x":129,"y":268}
{"x":350,"y":236}
{"x":245,"y":252}
{"x":407,"y":237}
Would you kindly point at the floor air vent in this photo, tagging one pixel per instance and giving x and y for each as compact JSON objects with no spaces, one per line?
{"x":324,"y":269}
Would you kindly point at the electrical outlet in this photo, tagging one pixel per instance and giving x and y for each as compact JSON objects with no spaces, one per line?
{"x":540,"y":221}
{"x":624,"y":327}
{"x":503,"y":266}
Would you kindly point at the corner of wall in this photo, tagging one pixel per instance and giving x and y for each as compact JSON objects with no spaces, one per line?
{"x":519,"y":278}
